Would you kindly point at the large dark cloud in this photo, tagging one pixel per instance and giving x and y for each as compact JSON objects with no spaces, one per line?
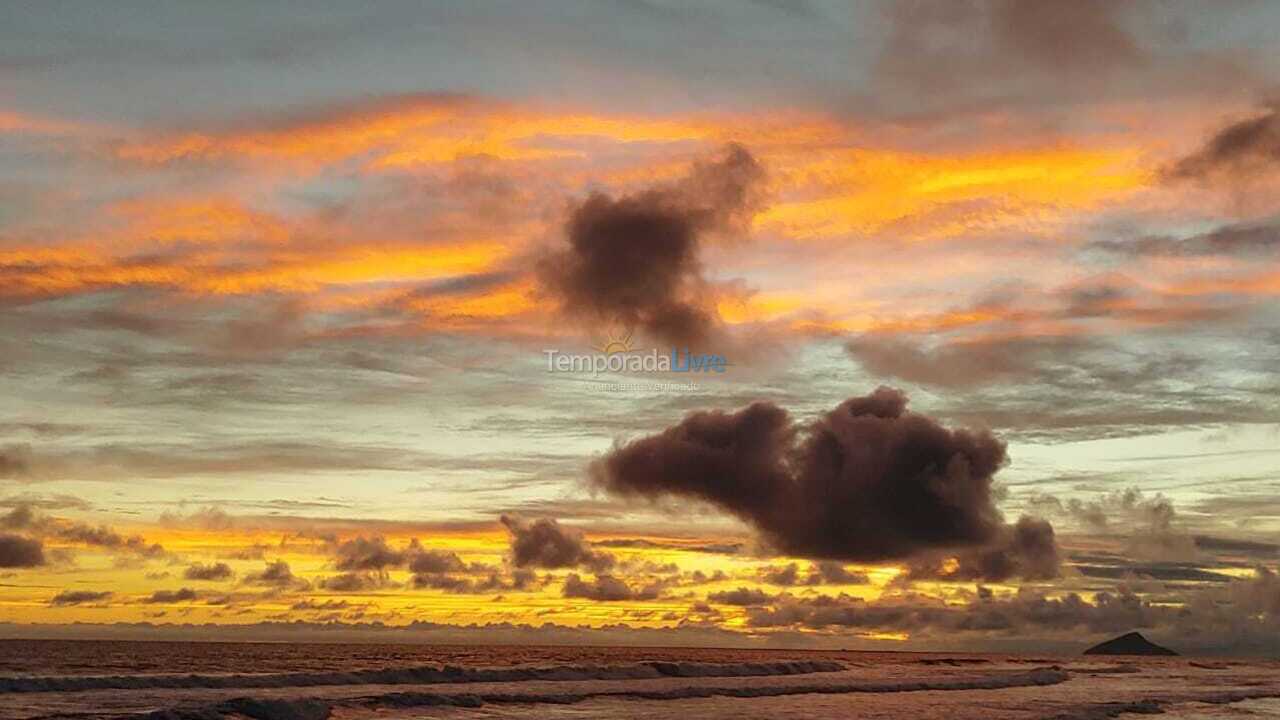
{"x":1243,"y":149}
{"x":633,"y":261}
{"x":869,"y":481}
{"x":18,"y":551}
{"x":545,"y":543}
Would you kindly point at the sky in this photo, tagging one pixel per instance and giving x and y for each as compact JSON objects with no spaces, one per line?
{"x":774,"y":323}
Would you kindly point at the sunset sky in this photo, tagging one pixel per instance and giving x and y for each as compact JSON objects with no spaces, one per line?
{"x":995,"y":282}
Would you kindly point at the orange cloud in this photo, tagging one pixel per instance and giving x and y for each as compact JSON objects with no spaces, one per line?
{"x":859,"y":191}
{"x":61,"y":271}
{"x":440,"y":129}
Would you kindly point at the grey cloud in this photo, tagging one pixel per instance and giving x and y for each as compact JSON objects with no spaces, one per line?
{"x":545,"y":543}
{"x":276,"y":574}
{"x":710,"y":547}
{"x":78,"y":597}
{"x":1241,"y":150}
{"x":354,"y":582}
{"x":606,"y":588}
{"x":742,"y":597}
{"x":1238,"y":240}
{"x":15,"y":461}
{"x":436,"y":561}
{"x":171,"y":596}
{"x":1028,"y":550}
{"x":363,"y":553}
{"x":824,"y":572}
{"x":212,"y":571}
{"x":20,"y":552}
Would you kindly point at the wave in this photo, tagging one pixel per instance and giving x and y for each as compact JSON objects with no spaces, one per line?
{"x":420,"y":675}
{"x":1155,"y":706}
{"x":312,"y":709}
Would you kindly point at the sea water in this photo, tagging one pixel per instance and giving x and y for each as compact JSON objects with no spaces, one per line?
{"x":279,"y":681}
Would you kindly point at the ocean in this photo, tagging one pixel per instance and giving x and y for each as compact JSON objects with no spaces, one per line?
{"x":90,"y":680}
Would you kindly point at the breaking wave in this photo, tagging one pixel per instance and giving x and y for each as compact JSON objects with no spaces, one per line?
{"x":421,"y":675}
{"x":313,"y":709}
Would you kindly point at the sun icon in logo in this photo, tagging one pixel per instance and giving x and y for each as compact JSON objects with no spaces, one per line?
{"x":619,"y":341}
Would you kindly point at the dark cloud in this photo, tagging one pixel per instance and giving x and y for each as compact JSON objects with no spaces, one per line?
{"x":354,"y":581}
{"x":1005,"y":50}
{"x":363,"y":553}
{"x":310,"y":604}
{"x":449,"y":583}
{"x":212,"y":571}
{"x":445,"y":570}
{"x":826,"y":572}
{"x":869,"y":481}
{"x":78,"y":597}
{"x":1026,"y":611}
{"x":21,"y":517}
{"x":1240,"y":615}
{"x":743,"y":597}
{"x":606,"y":588}
{"x":1234,"y":546}
{"x":1241,"y":150}
{"x":15,"y":462}
{"x":834,"y":573}
{"x":1084,"y":36}
{"x":710,"y":548}
{"x":957,"y":364}
{"x":58,"y":501}
{"x":1165,"y":572}
{"x":545,"y":543}
{"x":104,"y":537}
{"x":275,"y":574}
{"x":1028,"y":549}
{"x":1249,"y":239}
{"x":367,"y":562}
{"x":171,"y":596}
{"x":436,"y":561}
{"x":633,"y":261}
{"x":18,"y":551}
